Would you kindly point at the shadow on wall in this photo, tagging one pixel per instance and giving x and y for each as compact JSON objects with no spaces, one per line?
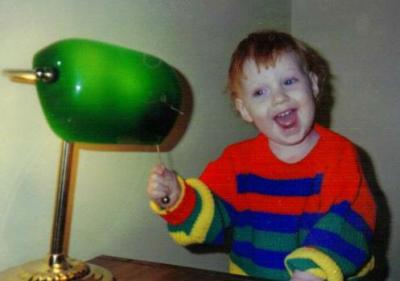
{"x":382,"y":231}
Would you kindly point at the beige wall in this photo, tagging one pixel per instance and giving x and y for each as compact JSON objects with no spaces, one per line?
{"x":111,"y":215}
{"x":360,"y":39}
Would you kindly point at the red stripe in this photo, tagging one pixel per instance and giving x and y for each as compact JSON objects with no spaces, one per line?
{"x":365,"y":206}
{"x":184,"y":210}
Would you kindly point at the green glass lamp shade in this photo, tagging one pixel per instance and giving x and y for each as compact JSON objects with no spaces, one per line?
{"x":102,"y":93}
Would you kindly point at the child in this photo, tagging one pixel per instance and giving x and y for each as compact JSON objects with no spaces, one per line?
{"x":294,"y":197}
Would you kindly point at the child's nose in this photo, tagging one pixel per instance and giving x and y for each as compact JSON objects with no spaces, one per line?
{"x":279,"y":96}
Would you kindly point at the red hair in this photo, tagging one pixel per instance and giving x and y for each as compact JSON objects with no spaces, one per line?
{"x":265,"y":47}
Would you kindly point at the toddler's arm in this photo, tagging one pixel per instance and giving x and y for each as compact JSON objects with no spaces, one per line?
{"x":194,"y":214}
{"x":338,"y":244}
{"x":163,"y":182}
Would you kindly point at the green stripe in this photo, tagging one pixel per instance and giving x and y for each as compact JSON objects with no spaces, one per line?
{"x":224,"y":213}
{"x":267,"y":240}
{"x":257,"y":271}
{"x":220,"y":221}
{"x":301,"y":264}
{"x":345,"y":265}
{"x":336,"y":224}
{"x":187,"y":225}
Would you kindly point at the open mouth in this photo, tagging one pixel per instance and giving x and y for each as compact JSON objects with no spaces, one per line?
{"x":286,"y":119}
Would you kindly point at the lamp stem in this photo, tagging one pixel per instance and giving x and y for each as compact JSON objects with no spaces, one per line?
{"x":57,"y":253}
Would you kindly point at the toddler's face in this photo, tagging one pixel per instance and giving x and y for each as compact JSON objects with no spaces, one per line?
{"x":279,"y":99}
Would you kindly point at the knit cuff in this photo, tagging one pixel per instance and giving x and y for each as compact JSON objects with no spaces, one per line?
{"x":315,"y":262}
{"x":196,"y":225}
{"x":159,"y":210}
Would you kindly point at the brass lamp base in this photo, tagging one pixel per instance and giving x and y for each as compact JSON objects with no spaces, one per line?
{"x":71,"y":270}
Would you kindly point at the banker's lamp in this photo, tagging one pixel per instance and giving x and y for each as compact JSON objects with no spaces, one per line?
{"x":94,"y":92}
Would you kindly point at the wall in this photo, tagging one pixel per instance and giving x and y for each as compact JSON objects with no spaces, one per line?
{"x":360,"y":39}
{"x":110,"y":214}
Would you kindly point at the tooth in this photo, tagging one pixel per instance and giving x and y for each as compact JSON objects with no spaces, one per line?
{"x":283,"y":114}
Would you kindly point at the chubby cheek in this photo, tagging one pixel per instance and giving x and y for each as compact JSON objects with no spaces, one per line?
{"x":309,"y":108}
{"x":264,"y":124}
{"x":261,"y":116}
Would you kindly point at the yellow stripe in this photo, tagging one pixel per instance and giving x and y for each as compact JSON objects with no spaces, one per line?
{"x":162,"y":211}
{"x":329,"y":270}
{"x":203,"y":222}
{"x":235,"y":269}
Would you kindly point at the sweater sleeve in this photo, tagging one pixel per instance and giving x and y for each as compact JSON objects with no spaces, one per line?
{"x":337,"y":247}
{"x":201,"y":215}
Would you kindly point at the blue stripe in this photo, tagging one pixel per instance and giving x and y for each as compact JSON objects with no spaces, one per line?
{"x":250,"y":183}
{"x":333,"y":242}
{"x":264,"y":258}
{"x":275,"y":222}
{"x":345,"y":211}
{"x":220,"y":238}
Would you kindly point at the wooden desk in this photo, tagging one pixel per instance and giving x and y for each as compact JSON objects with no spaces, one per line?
{"x":133,"y":270}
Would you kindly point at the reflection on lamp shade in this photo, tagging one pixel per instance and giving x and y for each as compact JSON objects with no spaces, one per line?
{"x":107,"y":94}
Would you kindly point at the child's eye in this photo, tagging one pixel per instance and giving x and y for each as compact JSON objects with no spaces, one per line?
{"x":290,"y":81}
{"x":259,"y":92}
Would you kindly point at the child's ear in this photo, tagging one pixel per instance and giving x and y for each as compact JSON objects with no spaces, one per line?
{"x":314,"y":83}
{"x":243,"y":110}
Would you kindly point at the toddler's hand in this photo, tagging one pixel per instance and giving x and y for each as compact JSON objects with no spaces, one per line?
{"x":163,"y":182}
{"x":304,"y":276}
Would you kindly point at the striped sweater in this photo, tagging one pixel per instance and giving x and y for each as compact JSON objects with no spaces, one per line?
{"x":316,"y":215}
